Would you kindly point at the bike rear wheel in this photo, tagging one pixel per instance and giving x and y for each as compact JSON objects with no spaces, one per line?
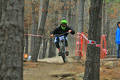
{"x":62,"y":50}
{"x":64,"y":58}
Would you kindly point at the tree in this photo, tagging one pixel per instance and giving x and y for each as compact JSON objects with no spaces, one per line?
{"x":64,"y":10}
{"x":81,"y":15}
{"x":11,"y":39}
{"x":52,"y":48}
{"x":92,"y":65}
{"x":34,"y":27}
{"x":0,"y":9}
{"x":41,"y":29}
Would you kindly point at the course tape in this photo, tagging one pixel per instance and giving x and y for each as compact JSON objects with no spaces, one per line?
{"x":82,"y":40}
{"x":33,"y":35}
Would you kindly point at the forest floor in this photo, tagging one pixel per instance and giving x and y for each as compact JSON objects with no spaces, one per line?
{"x":54,"y":69}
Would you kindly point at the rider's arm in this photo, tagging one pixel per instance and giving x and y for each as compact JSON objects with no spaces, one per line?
{"x":54,"y":31}
{"x":71,"y":30}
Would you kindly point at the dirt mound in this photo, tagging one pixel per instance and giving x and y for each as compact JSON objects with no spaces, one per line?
{"x":54,"y":69}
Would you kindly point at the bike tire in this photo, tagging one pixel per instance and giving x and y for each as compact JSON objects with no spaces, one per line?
{"x":64,"y":58}
{"x":62,"y":49}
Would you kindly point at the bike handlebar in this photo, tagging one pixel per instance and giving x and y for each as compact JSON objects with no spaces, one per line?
{"x":61,"y":34}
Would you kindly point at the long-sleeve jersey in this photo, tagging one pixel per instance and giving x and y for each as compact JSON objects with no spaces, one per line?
{"x":59,"y":30}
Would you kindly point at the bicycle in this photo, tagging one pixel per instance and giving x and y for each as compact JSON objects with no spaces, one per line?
{"x":62,"y":46}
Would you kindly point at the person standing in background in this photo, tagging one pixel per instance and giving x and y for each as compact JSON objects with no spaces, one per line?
{"x":117,"y":39}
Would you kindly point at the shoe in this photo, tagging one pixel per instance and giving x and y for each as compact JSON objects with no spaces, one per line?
{"x":67,"y":53}
{"x":60,"y":54}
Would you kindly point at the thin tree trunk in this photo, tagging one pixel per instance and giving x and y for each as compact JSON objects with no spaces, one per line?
{"x":11,"y":39}
{"x":70,"y":14}
{"x":26,"y":38}
{"x":52,"y":49}
{"x":40,"y":13}
{"x":26,"y":41}
{"x":41,"y":29}
{"x":64,"y":10}
{"x":81,"y":15}
{"x":108,"y":34}
{"x":39,"y":21}
{"x":103,"y":31}
{"x":92,"y":65}
{"x":0,"y":9}
{"x":34,"y":28}
{"x":45,"y":41}
{"x":72,"y":23}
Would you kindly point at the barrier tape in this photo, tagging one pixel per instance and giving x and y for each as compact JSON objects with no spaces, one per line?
{"x":79,"y":45}
{"x":33,"y":35}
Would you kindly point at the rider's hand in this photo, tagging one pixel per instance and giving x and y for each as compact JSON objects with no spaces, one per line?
{"x":51,"y":35}
{"x":70,"y":31}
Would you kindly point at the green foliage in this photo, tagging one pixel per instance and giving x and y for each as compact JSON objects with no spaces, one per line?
{"x":108,"y":1}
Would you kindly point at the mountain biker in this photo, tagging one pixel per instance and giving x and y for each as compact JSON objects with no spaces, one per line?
{"x":117,"y":39}
{"x":62,"y":29}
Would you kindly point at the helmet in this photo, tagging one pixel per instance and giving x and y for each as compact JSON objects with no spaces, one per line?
{"x":64,"y":21}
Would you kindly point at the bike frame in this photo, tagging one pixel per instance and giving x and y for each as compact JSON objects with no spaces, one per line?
{"x":62,"y":45}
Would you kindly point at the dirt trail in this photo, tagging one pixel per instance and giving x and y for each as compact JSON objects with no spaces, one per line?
{"x":67,"y":71}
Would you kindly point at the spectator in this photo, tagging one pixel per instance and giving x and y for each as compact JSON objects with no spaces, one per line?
{"x":117,"y":40}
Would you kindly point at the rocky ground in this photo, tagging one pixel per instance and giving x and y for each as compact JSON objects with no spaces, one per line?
{"x":54,"y":69}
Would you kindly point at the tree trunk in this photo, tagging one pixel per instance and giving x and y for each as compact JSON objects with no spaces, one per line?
{"x":40,"y":13}
{"x":34,"y":28}
{"x":52,"y":49}
{"x":0,"y":9}
{"x":45,"y":41}
{"x":72,"y":23}
{"x":81,"y":15}
{"x":11,"y":39}
{"x":26,"y":41}
{"x":41,"y":29}
{"x":39,"y":22}
{"x":92,"y":65}
{"x":104,"y":27}
{"x":64,"y":10}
